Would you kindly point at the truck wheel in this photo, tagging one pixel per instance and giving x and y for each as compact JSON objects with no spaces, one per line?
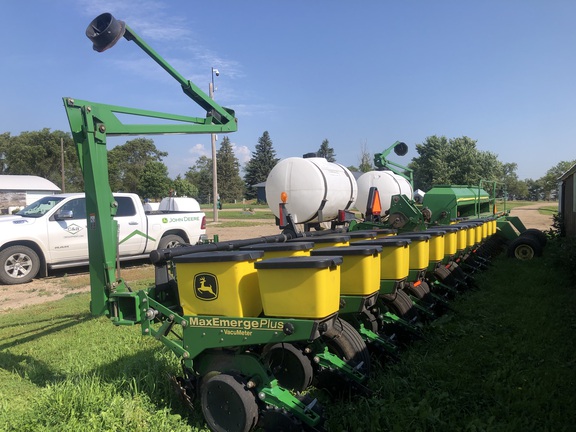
{"x":18,"y":264}
{"x":170,"y":241}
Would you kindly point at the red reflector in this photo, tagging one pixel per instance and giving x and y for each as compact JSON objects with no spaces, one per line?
{"x":203,"y":224}
{"x":417,"y":283}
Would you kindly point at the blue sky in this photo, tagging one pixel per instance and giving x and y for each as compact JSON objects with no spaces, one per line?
{"x":358,"y":73}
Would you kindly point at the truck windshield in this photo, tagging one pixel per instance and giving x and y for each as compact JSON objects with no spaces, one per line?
{"x":41,"y":207}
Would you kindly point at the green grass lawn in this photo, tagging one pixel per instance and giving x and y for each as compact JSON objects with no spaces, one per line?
{"x":548,"y":210}
{"x":503,"y":360}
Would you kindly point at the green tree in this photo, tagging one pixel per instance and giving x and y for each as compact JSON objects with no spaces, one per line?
{"x":519,"y":190}
{"x":230,"y":184}
{"x":366,"y":162}
{"x":515,"y":188}
{"x":126,"y":163}
{"x":200,"y":175}
{"x":535,"y":189}
{"x":154,"y":182}
{"x":4,"y":141}
{"x":453,"y":161}
{"x":259,"y":166}
{"x":184,"y":188}
{"x":326,"y":151}
{"x":550,"y":180}
{"x":40,"y":153}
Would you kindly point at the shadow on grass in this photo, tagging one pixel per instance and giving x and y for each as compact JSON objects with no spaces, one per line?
{"x":26,"y":366}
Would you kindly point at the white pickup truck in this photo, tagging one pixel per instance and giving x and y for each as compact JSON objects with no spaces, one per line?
{"x":51,"y":232}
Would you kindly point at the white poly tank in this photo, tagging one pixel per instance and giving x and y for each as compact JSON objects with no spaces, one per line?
{"x":388,"y":184}
{"x":182,"y":204}
{"x":316,"y":188}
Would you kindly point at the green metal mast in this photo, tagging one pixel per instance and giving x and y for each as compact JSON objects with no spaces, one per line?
{"x":91,"y":123}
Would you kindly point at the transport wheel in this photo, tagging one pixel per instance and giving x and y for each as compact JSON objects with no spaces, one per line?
{"x":289,"y":365}
{"x":535,"y":234}
{"x":170,"y":241}
{"x":18,"y":265}
{"x":227,"y":405}
{"x":344,"y":341}
{"x":524,"y":248}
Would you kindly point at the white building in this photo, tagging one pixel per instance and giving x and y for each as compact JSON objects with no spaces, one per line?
{"x":17,"y":191}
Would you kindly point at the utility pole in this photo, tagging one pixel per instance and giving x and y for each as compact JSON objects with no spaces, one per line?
{"x":214,"y":164}
{"x":62,"y":163}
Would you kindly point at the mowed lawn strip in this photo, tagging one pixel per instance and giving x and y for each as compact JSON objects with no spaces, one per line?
{"x":503,"y":360}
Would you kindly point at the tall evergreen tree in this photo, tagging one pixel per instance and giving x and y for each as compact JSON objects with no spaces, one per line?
{"x":326,"y":151}
{"x":230,"y":184}
{"x":259,"y":166}
{"x":200,"y":175}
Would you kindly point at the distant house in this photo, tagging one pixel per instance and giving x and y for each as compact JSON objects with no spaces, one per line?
{"x":17,"y":191}
{"x":567,"y":204}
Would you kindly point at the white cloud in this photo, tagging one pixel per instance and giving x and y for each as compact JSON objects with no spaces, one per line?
{"x":198,"y":150}
{"x":243,"y":153}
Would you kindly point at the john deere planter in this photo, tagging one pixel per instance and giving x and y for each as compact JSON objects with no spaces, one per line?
{"x":258,"y":322}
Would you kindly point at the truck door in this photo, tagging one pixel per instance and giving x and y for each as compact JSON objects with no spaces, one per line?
{"x":67,"y":234}
{"x":132,"y":229}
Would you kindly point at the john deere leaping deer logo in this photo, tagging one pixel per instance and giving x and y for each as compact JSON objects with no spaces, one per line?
{"x":206,"y":286}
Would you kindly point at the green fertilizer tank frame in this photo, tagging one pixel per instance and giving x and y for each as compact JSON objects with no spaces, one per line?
{"x":91,"y":122}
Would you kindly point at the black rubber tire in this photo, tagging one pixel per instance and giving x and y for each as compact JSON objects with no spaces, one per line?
{"x":344,"y":341}
{"x":524,"y":248}
{"x":370,"y":321}
{"x":18,"y":265}
{"x":227,"y":405}
{"x":402,"y":306}
{"x":170,"y":241}
{"x":289,"y":365}
{"x":419,"y":291}
{"x":536,"y":234}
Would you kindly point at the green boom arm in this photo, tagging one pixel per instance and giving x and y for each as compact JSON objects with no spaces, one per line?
{"x":90,"y":123}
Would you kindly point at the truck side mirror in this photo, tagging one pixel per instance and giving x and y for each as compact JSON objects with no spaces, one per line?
{"x":64,"y":214}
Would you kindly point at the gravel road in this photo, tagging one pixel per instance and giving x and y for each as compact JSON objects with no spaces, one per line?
{"x":71,"y":281}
